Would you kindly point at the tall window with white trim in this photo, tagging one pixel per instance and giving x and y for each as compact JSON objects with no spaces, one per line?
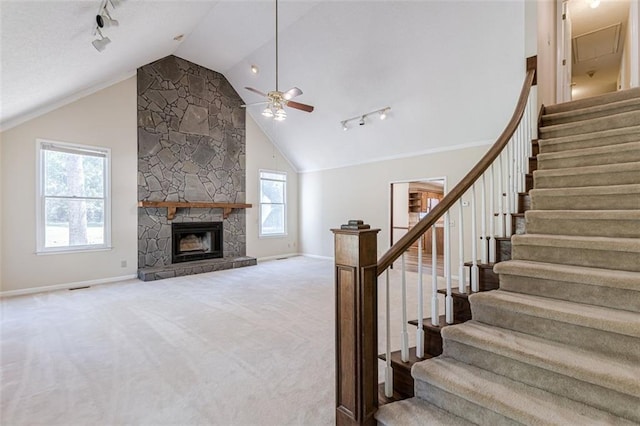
{"x":73,"y":206}
{"x":273,"y":203}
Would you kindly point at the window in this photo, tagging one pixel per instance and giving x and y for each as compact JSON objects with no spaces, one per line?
{"x":273,"y":203}
{"x":73,"y":205}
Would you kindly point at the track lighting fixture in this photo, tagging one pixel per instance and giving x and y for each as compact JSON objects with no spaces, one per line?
{"x":103,"y":20}
{"x":382,"y":113}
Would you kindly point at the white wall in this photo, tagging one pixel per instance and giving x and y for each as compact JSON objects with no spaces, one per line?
{"x":331,"y":197}
{"x":262,"y":154}
{"x":106,"y":118}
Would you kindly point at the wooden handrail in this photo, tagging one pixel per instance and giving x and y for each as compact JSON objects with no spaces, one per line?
{"x":458,"y":191}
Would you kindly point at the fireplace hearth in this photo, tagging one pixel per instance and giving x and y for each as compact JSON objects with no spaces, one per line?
{"x":196,"y":241}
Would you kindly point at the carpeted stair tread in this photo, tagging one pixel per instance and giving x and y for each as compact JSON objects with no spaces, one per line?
{"x":595,"y":317}
{"x":584,"y":198}
{"x":611,"y":223}
{"x":573,"y":177}
{"x":603,"y":99}
{"x":592,"y":286}
{"x":594,"y":111}
{"x":597,"y":252}
{"x":572,"y":274}
{"x":593,"y":101}
{"x":591,"y":367}
{"x":624,"y":119}
{"x":509,"y":401}
{"x":416,"y":412}
{"x":623,"y":153}
{"x":611,"y":137}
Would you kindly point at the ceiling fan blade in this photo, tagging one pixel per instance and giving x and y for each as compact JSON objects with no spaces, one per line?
{"x":255,"y":103}
{"x":292,"y":93}
{"x":251,"y":89}
{"x":301,"y":107}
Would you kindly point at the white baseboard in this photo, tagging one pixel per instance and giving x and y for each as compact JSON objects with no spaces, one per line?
{"x":66,"y":286}
{"x":277,"y":257}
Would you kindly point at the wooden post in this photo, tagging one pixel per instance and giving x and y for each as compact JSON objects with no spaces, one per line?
{"x":356,"y":326}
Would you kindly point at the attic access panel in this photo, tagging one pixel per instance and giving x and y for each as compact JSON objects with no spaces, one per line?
{"x":597,"y":43}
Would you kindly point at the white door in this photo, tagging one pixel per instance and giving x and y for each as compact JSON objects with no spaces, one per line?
{"x":564,"y":52}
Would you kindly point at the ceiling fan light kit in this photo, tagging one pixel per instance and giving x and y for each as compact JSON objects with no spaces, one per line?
{"x":103,"y":20}
{"x":382,"y":114}
{"x":275,"y":99}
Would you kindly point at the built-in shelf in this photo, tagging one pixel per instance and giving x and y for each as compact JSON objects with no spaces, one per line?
{"x":173,"y":206}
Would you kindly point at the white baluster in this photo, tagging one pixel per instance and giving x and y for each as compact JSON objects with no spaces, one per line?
{"x":474,"y":241}
{"x":388,"y":373}
{"x":435,"y":316}
{"x":507,"y":217}
{"x":484,"y":256}
{"x":420,"y":330}
{"x":501,"y":226}
{"x":492,"y":218}
{"x":447,"y":268}
{"x":404,"y":350}
{"x":462,"y":284}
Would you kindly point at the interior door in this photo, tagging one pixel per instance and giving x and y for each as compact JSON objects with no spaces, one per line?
{"x":564,"y":52}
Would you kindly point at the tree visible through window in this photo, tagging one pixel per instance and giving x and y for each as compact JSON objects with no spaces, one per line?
{"x":73,"y":204}
{"x":273,"y":194}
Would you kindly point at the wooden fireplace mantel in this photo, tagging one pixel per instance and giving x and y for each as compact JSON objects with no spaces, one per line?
{"x":173,"y":206}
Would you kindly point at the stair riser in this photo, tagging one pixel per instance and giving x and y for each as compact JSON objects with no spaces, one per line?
{"x":528,"y":182}
{"x":503,"y":250}
{"x":612,"y":344}
{"x":550,"y":120}
{"x":596,"y":125}
{"x":575,"y":292}
{"x":518,"y":225}
{"x":590,"y":160}
{"x":460,"y":406}
{"x":560,"y":384}
{"x":524,"y":202}
{"x":628,"y":201}
{"x":591,"y":227}
{"x":594,"y":257}
{"x":581,"y":180}
{"x":588,"y":141}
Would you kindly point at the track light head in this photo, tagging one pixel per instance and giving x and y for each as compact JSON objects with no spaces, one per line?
{"x":101,"y":43}
{"x":344,"y":126}
{"x":361,"y":122}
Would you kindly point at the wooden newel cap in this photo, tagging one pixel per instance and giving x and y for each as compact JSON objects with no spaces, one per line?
{"x":355,"y":225}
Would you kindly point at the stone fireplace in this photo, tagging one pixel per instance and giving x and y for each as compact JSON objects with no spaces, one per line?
{"x":191,"y":148}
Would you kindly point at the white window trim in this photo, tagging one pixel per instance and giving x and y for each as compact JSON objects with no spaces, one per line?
{"x":40,"y":213}
{"x":286,"y":227}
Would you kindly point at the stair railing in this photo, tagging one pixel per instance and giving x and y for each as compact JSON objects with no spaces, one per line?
{"x":504,"y":166}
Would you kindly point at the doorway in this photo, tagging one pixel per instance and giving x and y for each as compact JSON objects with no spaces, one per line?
{"x":594,"y":48}
{"x":410,"y":202}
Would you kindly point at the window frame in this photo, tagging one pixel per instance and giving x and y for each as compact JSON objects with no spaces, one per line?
{"x":284,"y":203}
{"x":41,"y":148}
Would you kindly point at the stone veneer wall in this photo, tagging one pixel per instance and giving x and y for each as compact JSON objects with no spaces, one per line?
{"x":191,"y":147}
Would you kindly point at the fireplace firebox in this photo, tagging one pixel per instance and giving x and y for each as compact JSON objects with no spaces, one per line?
{"x":196,"y":241}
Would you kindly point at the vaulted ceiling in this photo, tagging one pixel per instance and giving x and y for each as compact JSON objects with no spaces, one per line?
{"x":450,"y":71}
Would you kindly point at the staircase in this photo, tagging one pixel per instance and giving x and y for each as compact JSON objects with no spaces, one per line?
{"x":559,"y":342}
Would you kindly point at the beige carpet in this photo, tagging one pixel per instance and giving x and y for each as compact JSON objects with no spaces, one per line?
{"x":240,"y":347}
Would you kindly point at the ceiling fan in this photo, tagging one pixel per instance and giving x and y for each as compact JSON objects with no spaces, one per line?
{"x":277,"y":100}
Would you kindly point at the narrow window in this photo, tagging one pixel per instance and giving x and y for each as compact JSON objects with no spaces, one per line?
{"x":73,"y":205}
{"x":273,"y":203}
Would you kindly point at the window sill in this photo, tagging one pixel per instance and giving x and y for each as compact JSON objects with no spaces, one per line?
{"x":271,"y":236}
{"x":72,"y":250}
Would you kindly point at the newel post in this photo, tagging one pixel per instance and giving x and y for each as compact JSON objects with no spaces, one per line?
{"x":356,"y":325}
